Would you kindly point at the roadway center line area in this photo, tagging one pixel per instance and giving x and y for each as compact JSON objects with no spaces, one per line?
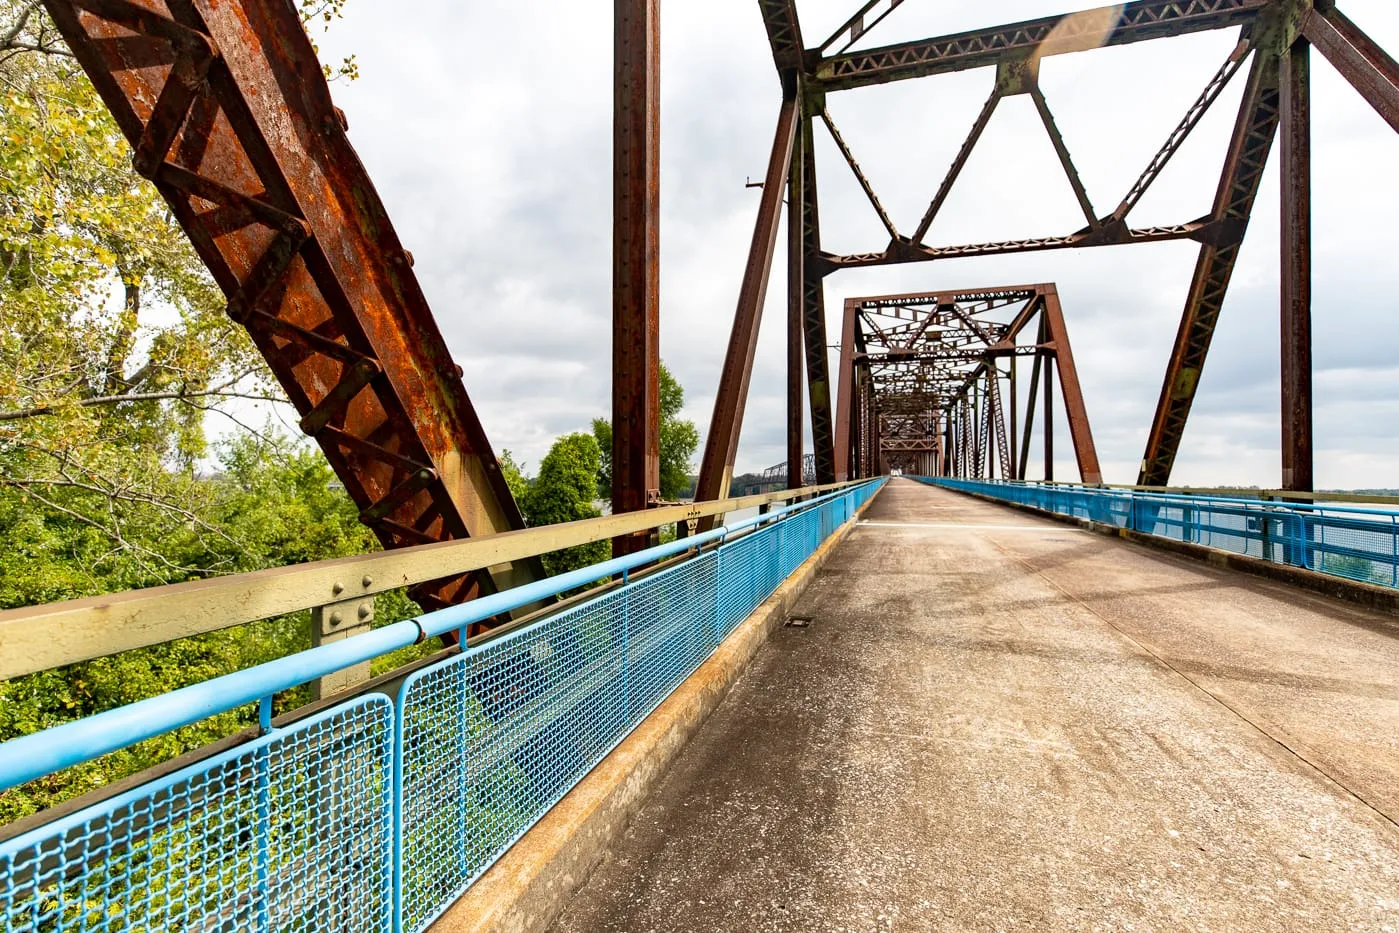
{"x":999,"y":722}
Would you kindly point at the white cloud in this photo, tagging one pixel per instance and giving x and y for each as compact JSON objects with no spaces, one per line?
{"x":487,"y":129}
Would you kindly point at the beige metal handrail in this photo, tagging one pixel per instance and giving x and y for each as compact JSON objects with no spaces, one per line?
{"x":37,"y":638}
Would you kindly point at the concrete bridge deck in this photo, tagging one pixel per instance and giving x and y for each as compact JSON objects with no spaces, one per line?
{"x":1000,"y":722}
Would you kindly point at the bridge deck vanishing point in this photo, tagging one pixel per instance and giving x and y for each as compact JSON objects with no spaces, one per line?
{"x":996,"y":721}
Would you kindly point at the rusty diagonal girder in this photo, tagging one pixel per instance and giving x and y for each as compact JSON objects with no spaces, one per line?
{"x":230,"y":116}
{"x":1270,"y":28}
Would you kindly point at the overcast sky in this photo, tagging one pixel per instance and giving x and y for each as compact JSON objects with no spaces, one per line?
{"x":486,"y":126}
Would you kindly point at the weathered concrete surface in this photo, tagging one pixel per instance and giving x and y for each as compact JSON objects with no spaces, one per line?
{"x":998,"y":722}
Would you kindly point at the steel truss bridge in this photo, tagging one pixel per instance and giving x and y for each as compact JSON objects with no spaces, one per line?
{"x":382,"y":805}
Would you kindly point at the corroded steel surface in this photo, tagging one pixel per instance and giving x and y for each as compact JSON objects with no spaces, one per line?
{"x":230,"y":116}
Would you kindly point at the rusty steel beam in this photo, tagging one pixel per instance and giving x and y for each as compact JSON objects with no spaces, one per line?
{"x":784,"y":35}
{"x":860,"y":176}
{"x":1052,"y":35}
{"x":1294,"y":136}
{"x":721,"y":444}
{"x":906,"y":251}
{"x":796,"y":288}
{"x":1030,"y":409}
{"x":1249,"y":146}
{"x":1065,"y":158}
{"x":983,"y":119}
{"x":1049,"y":418}
{"x":1182,"y":132}
{"x":636,"y":419}
{"x":1359,"y":59}
{"x":813,"y":311}
{"x":230,"y":116}
{"x":845,"y":388}
{"x":1080,"y":432}
{"x":855,"y":28}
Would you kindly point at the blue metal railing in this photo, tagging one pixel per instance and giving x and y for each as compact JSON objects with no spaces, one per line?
{"x":377,"y":814}
{"x":1357,"y":543}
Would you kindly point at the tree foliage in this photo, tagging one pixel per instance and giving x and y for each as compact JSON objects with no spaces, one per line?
{"x":679,"y":440}
{"x":114,"y":353}
{"x":563,"y":492}
{"x":275,"y":502}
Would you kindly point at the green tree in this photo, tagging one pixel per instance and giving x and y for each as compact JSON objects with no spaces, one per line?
{"x":679,"y":440}
{"x":114,"y":351}
{"x":273,"y":502}
{"x":515,"y":478}
{"x":563,"y":492}
{"x":114,"y":345}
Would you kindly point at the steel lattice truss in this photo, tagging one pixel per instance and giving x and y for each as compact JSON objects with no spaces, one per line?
{"x":1270,"y":57}
{"x":929,"y":384}
{"x":230,"y":116}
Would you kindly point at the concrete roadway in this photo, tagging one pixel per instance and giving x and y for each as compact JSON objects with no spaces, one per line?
{"x":1000,"y":722}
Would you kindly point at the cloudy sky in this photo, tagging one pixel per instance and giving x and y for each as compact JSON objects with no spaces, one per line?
{"x":486,"y":125}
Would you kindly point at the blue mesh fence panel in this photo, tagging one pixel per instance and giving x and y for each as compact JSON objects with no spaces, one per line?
{"x":672,"y":630}
{"x":290,"y":833}
{"x":302,"y":830}
{"x":1360,"y":544}
{"x":747,"y":575}
{"x":494,"y":737}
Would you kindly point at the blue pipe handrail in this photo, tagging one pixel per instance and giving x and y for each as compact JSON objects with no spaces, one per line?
{"x":41,"y":753}
{"x":1353,"y":542}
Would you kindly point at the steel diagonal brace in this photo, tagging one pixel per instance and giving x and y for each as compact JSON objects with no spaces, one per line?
{"x":228,"y":113}
{"x":1178,"y":136}
{"x":721,"y":445}
{"x":1368,"y":68}
{"x":859,"y":175}
{"x":960,"y":162}
{"x":1062,"y":151}
{"x":855,"y":28}
{"x":1249,"y":147}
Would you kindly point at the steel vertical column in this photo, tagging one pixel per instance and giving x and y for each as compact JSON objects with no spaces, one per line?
{"x":1030,"y":404}
{"x":1014,"y":473}
{"x":814,"y":313}
{"x":796,"y":288}
{"x":636,"y":422}
{"x":1296,"y":291}
{"x":1049,"y":417}
{"x":721,"y":444}
{"x":845,"y":391}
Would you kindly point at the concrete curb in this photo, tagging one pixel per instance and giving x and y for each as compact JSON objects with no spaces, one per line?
{"x":527,"y":888}
{"x":1363,"y":594}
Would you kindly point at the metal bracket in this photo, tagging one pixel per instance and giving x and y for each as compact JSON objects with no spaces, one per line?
{"x":334,"y":622}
